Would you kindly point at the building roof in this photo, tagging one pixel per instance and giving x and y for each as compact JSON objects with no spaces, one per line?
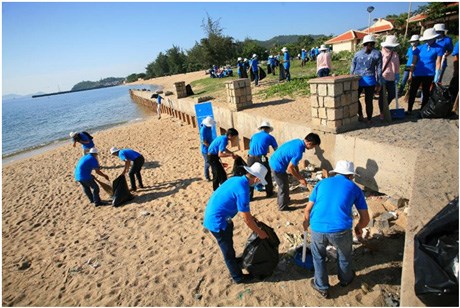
{"x":347,"y":36}
{"x":418,"y":17}
{"x":381,"y":25}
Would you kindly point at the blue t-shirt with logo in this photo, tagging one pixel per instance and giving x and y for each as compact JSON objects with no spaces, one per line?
{"x":205,"y":135}
{"x":411,"y":52}
{"x":84,"y":137}
{"x":445,"y":43}
{"x":230,"y":198}
{"x":254,"y":65}
{"x":128,"y":154}
{"x":260,"y":142}
{"x":85,"y":166}
{"x":426,"y":64}
{"x":333,"y":200}
{"x":218,"y":145}
{"x":289,"y":152}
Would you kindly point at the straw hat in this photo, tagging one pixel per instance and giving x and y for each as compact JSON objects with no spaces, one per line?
{"x":208,"y":121}
{"x":284,"y":49}
{"x":368,"y":39}
{"x":344,"y":167}
{"x":73,"y":134}
{"x":323,"y":47}
{"x":114,"y":150}
{"x":440,"y":27}
{"x":414,"y":38}
{"x":429,"y":34}
{"x":390,"y":41}
{"x":258,"y":170}
{"x":93,"y":151}
{"x":266,"y":124}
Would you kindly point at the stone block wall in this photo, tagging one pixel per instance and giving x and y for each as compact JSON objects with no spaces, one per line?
{"x":180,"y":89}
{"x":239,"y":94}
{"x":334,"y":103}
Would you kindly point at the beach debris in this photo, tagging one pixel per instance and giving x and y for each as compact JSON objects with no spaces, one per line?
{"x":198,"y":296}
{"x":167,"y":93}
{"x":288,"y":223}
{"x":294,"y":239}
{"x":24,"y":265}
{"x":93,"y":263}
{"x":391,"y":300}
{"x":365,"y":287}
{"x":159,"y":92}
{"x":388,"y":216}
{"x":144,"y":213}
{"x":242,"y":293}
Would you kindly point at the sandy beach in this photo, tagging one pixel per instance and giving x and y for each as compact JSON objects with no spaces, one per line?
{"x":59,"y":250}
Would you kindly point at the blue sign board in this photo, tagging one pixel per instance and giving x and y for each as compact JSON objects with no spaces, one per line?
{"x":202,"y":110}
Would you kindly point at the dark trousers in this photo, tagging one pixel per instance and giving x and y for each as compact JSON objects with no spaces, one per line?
{"x":390,"y":87}
{"x":264,"y":161}
{"x":288,"y":74}
{"x":368,"y":97}
{"x":282,"y":180}
{"x":219,"y":175}
{"x":136,"y":171}
{"x":91,"y":190}
{"x":426,"y":82}
{"x":323,"y":72}
{"x":225,"y":240}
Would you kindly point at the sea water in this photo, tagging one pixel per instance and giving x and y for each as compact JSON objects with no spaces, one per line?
{"x":31,"y":123}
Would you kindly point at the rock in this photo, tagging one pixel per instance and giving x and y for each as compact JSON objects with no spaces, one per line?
{"x":402,"y":202}
{"x":388,"y":216}
{"x":24,"y":265}
{"x":159,"y":92}
{"x":382,"y":224}
{"x":391,"y":204}
{"x":375,"y":209}
{"x":198,"y":296}
{"x":167,"y":93}
{"x":365,"y":287}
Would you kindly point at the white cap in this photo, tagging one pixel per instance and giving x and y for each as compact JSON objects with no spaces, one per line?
{"x":208,"y":121}
{"x":429,"y":34}
{"x":440,"y":27}
{"x":240,"y":59}
{"x":258,"y":170}
{"x":72,"y":134}
{"x":93,"y":151}
{"x":390,"y":41}
{"x":284,"y":49}
{"x":414,"y":38}
{"x":245,"y":59}
{"x":344,"y":167}
{"x":368,"y":39}
{"x":266,"y":124}
{"x":254,"y":56}
{"x":114,"y":150}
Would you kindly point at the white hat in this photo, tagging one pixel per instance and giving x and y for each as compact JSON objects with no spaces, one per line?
{"x":245,"y":59}
{"x":93,"y":151}
{"x":414,"y":38}
{"x":344,"y":167}
{"x":429,"y":34}
{"x":254,"y":56}
{"x":323,"y":47}
{"x":284,"y":49}
{"x":368,"y":39}
{"x":240,"y":59}
{"x":114,"y":150}
{"x":258,"y":170}
{"x":72,"y":134}
{"x":266,"y":124}
{"x":440,"y":27}
{"x":390,"y":41}
{"x":270,"y":57}
{"x":208,"y":121}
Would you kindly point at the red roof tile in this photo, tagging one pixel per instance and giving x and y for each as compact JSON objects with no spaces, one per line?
{"x":347,"y":36}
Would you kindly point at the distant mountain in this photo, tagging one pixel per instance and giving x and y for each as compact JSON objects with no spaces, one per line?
{"x":283,"y":40}
{"x":106,"y":82}
{"x":12,"y":96}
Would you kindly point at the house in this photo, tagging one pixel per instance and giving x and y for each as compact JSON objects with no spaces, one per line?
{"x":346,"y":41}
{"x":381,"y":26}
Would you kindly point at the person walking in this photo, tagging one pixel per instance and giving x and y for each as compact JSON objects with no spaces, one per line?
{"x":240,"y":68}
{"x":82,"y":174}
{"x":323,"y":62}
{"x":286,"y":159}
{"x":303,"y":57}
{"x":447,"y":46}
{"x":218,"y":149}
{"x":205,"y":140}
{"x":427,"y":67}
{"x":128,"y":156}
{"x":329,"y":215}
{"x":258,"y":149}
{"x":159,"y":98}
{"x":286,"y":63}
{"x":367,"y":63}
{"x":231,"y":198}
{"x":255,"y":69}
{"x":390,"y":71}
{"x":411,"y":51}
{"x":84,"y":138}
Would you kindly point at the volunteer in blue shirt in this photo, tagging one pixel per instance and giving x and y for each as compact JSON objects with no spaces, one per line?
{"x":240,"y":67}
{"x":255,"y":69}
{"x":447,"y":46}
{"x":205,"y":140}
{"x":218,"y":149}
{"x":453,"y":86}
{"x":258,"y":148}
{"x":303,"y":56}
{"x":159,"y":98}
{"x":411,"y":51}
{"x":128,"y":156}
{"x":83,"y":138}
{"x":329,"y":215}
{"x":83,"y":175}
{"x":427,"y":67}
{"x":229,"y":199}
{"x":286,"y":63}
{"x":367,"y":63}
{"x":286,"y":159}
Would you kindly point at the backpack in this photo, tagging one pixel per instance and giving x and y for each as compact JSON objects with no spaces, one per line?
{"x":88,"y":135}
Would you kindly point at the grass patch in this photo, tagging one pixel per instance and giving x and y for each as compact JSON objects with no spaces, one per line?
{"x":209,"y":86}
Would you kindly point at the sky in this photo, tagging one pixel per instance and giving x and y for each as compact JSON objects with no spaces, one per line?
{"x":49,"y":47}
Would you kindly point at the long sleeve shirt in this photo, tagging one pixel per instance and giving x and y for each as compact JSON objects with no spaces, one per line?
{"x":392,"y":68}
{"x":368,"y":66}
{"x":323,"y":61}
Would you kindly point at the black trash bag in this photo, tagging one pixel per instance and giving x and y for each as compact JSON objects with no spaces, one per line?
{"x":269,"y":69}
{"x":282,"y":74}
{"x":188,"y":90}
{"x":439,"y":104}
{"x":262,"y":74}
{"x":244,"y":73}
{"x":251,"y":74}
{"x":121,"y":192}
{"x":238,"y":166}
{"x":260,"y":257}
{"x":436,"y":259}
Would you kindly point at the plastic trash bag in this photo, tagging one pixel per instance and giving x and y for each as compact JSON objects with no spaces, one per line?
{"x":121,"y":192}
{"x":260,"y":257}
{"x":238,"y":166}
{"x":262,"y":74}
{"x":439,"y":104}
{"x":436,"y":259}
{"x":188,"y":90}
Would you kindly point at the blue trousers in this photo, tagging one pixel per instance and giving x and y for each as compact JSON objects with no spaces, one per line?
{"x":91,"y":190}
{"x":206,"y":166}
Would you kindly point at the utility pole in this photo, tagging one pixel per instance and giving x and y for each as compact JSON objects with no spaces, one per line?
{"x":407,"y":22}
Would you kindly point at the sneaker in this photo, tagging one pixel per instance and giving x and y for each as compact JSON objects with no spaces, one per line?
{"x":323,"y":293}
{"x":102,"y":203}
{"x":344,"y":284}
{"x":247,"y":278}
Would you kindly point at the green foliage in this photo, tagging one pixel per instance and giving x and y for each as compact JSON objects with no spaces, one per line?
{"x":131,"y":78}
{"x":106,"y":82}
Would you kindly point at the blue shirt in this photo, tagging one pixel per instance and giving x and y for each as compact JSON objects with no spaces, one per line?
{"x":205,"y":135}
{"x":411,"y":52}
{"x":455,"y":52}
{"x":254,"y":65}
{"x":333,"y":200}
{"x":287,"y":60}
{"x":289,"y":152}
{"x":230,"y":198}
{"x":159,"y":99}
{"x":218,"y":145}
{"x":445,"y":43}
{"x":84,"y":137}
{"x":426,"y":65}
{"x":260,"y":142}
{"x":368,"y":66}
{"x":128,"y":154}
{"x":85,"y":166}
{"x":240,"y":66}
{"x":304,"y":54}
